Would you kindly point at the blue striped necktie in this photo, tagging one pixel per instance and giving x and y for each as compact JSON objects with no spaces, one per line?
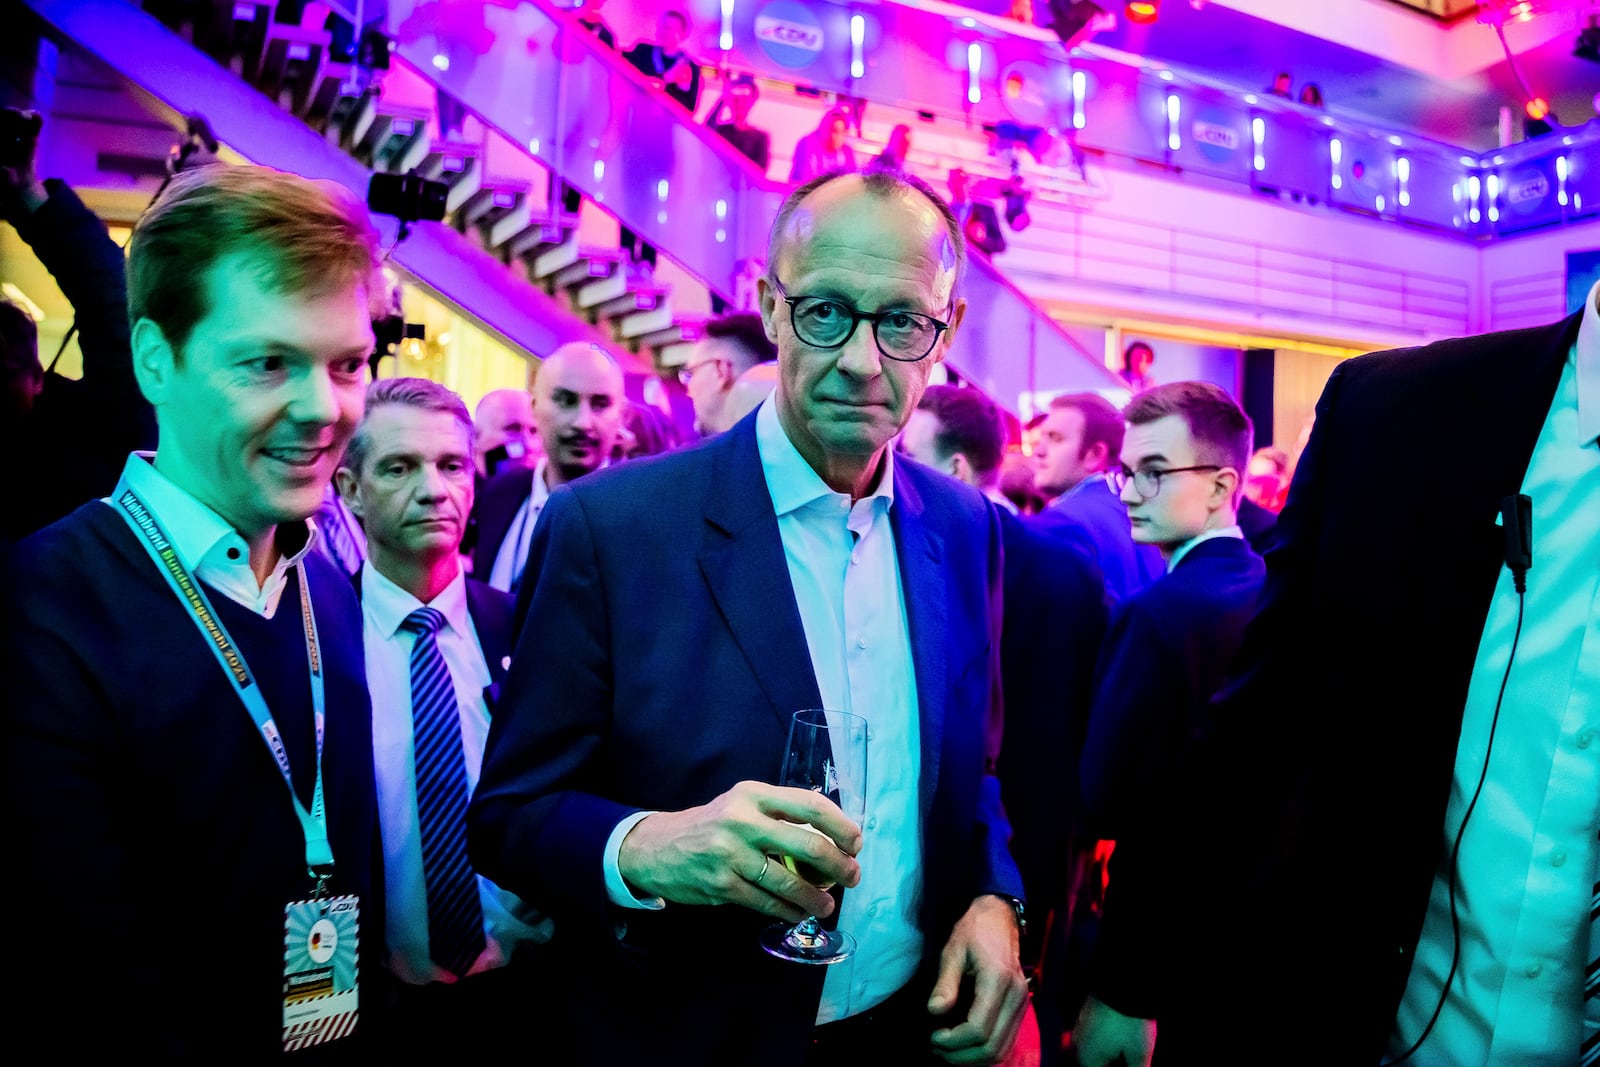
{"x":1590,"y":1053}
{"x":455,"y":914}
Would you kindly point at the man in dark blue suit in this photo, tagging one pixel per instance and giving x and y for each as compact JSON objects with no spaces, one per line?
{"x":685,"y":607}
{"x":1181,"y":472}
{"x":409,"y":478}
{"x":1078,"y":444}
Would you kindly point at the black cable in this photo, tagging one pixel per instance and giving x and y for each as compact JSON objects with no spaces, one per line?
{"x":1520,"y":579}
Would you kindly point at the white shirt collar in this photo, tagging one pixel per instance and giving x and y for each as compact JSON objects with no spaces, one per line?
{"x":209,"y":547}
{"x":791,"y":480}
{"x":387,"y":605}
{"x":1586,"y":353}
{"x":1200,"y":538}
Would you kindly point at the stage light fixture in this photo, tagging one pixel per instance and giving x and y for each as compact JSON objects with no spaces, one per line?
{"x":1142,"y":11}
{"x":1537,"y":108}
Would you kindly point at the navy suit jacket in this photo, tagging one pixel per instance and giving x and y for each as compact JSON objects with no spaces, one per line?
{"x":1328,"y":756}
{"x":1093,"y":515}
{"x":1056,"y":610}
{"x":496,"y":507}
{"x":661,"y":658}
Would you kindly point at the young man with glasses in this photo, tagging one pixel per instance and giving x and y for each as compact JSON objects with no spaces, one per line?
{"x":685,"y":607}
{"x":1183,"y":456}
{"x":732,"y":345}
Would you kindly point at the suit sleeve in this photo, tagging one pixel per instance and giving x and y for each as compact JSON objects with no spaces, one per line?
{"x":1135,"y":723}
{"x":997,"y":868}
{"x":1239,"y":773}
{"x":72,"y":243}
{"x":537,"y":825}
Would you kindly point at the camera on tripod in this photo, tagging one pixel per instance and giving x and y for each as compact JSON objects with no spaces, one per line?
{"x":408,"y":197}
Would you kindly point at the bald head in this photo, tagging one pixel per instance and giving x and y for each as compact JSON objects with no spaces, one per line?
{"x":796,"y":221}
{"x":577,"y":406}
{"x":504,"y":419}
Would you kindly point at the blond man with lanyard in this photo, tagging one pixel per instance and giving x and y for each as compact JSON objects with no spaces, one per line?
{"x":188,"y":741}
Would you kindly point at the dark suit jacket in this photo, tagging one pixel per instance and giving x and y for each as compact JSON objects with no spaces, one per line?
{"x":1094,"y":515}
{"x":1055,"y":619}
{"x":1331,"y":750}
{"x":496,"y":508}
{"x":1260,"y":526}
{"x":661,"y":657}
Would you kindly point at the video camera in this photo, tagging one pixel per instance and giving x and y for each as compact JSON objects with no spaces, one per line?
{"x":408,"y":197}
{"x":19,"y":130}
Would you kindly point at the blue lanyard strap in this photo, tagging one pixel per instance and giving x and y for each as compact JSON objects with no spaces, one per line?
{"x":313,"y":823}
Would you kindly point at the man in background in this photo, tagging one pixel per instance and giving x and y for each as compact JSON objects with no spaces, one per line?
{"x":463,"y":958}
{"x":577,"y":407}
{"x":1077,"y":444}
{"x":730,"y":346}
{"x":67,"y":440}
{"x":505,"y":432}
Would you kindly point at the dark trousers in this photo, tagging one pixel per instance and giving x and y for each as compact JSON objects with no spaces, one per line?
{"x":516,"y":1006}
{"x":895,"y":1032}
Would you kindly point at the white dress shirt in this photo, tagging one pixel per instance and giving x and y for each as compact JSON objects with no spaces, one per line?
{"x":1528,"y":860}
{"x":846,"y":579}
{"x":508,"y":921}
{"x":213,"y":551}
{"x":513,"y":554}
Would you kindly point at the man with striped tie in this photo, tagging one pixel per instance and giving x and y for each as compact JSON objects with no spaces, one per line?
{"x":462,"y":956}
{"x":1385,"y":847}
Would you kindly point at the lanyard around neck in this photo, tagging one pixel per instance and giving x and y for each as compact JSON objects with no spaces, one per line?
{"x":313,"y":823}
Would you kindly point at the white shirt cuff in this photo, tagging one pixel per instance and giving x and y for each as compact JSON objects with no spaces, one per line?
{"x":616,"y":888}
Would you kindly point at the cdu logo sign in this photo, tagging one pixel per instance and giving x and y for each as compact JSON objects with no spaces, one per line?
{"x":789,"y":33}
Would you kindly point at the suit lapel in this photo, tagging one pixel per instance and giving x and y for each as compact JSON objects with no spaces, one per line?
{"x":920,"y":551}
{"x":741,"y":557}
{"x":492,"y":621}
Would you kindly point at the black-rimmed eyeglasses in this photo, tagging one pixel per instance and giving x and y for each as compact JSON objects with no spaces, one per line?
{"x":1147,"y":482}
{"x":821,"y":322}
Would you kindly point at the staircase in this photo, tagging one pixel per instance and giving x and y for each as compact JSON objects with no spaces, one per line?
{"x":533,"y":273}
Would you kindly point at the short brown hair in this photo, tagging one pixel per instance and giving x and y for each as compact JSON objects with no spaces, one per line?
{"x":1102,"y":422}
{"x":419,"y":393}
{"x":969,"y":423}
{"x":1221,"y":430}
{"x":881,"y":182}
{"x":302,"y":236}
{"x":744,"y":329}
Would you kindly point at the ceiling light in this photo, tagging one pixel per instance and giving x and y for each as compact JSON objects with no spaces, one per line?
{"x":1142,"y":10}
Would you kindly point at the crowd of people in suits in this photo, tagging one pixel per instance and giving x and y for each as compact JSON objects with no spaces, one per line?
{"x":513,"y":754}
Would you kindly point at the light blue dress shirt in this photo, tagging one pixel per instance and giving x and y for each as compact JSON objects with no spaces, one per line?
{"x":508,"y":921}
{"x":1529,"y":858}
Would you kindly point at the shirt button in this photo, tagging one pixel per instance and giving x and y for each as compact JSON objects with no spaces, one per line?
{"x":233,"y":553}
{"x":1558,"y":857}
{"x":873,"y":910}
{"x":872,"y":824}
{"x":1585,"y":738}
{"x":861,"y":642}
{"x":1534,"y":969}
